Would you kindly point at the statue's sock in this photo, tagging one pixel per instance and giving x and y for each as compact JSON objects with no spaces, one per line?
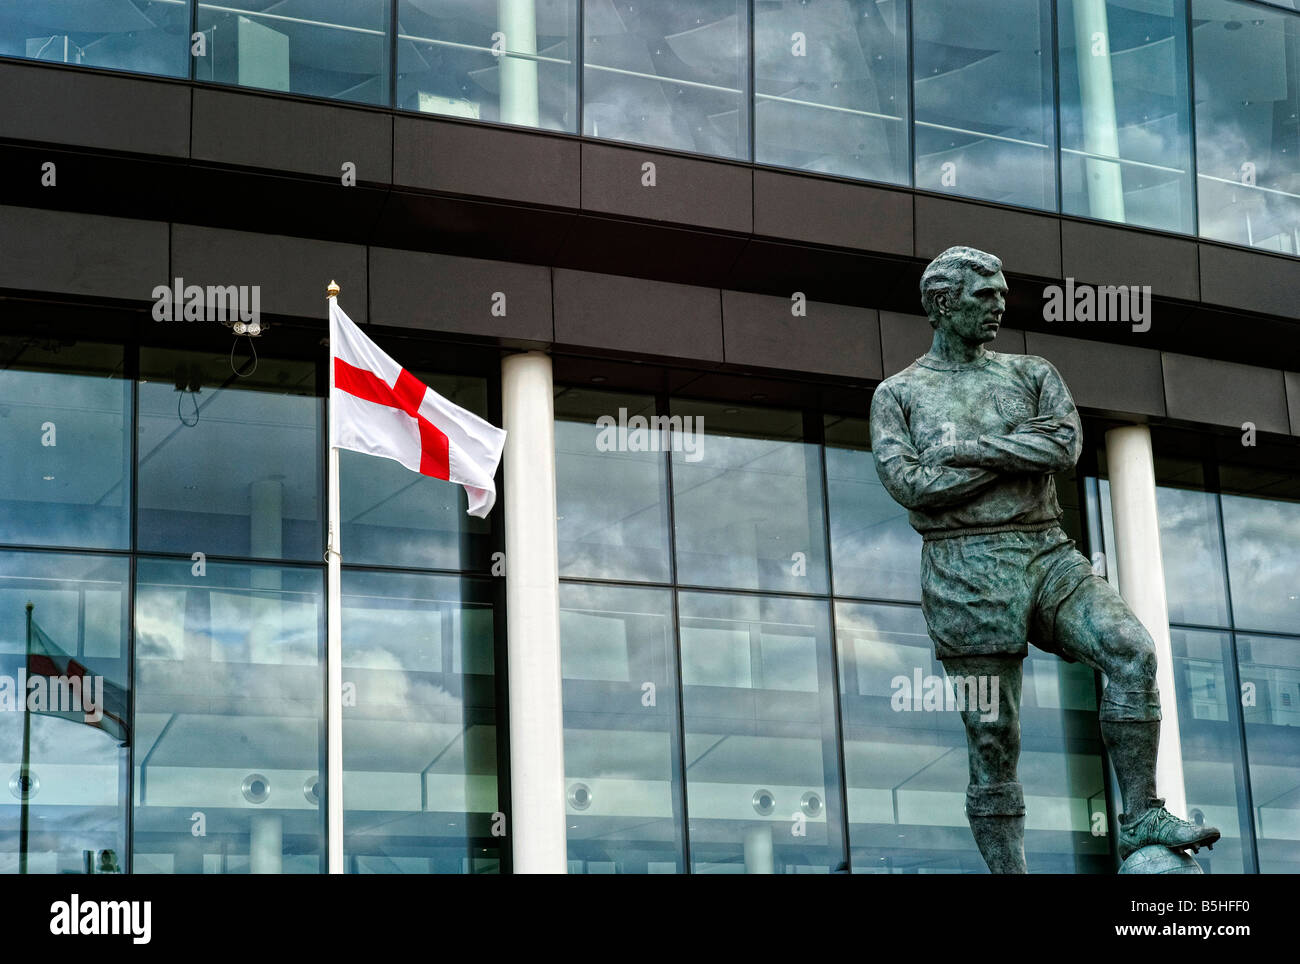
{"x":1001,"y":841}
{"x":1132,"y":745}
{"x":997,"y":819}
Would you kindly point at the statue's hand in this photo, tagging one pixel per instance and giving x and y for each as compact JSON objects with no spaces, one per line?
{"x":958,"y":455}
{"x":939,"y":455}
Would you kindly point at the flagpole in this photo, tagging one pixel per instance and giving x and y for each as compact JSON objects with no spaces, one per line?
{"x":334,"y":640}
{"x":24,"y":784}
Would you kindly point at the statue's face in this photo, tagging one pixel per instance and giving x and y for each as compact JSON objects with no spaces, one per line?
{"x":976,"y":315}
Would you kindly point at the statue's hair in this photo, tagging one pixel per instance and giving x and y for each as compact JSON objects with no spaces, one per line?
{"x":946,"y":272}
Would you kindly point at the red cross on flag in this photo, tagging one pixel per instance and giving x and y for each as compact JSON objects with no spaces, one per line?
{"x":379,"y":408}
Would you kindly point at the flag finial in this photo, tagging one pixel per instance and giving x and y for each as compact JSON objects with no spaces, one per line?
{"x":333,"y":290}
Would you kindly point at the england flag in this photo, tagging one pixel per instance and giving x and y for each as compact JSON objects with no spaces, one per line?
{"x":379,"y":408}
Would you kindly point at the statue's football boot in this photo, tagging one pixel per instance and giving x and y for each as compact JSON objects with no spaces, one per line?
{"x":1159,"y":826}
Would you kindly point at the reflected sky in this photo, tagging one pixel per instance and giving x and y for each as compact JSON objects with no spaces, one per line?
{"x":668,"y":74}
{"x":984,"y":100}
{"x":1247,"y":117}
{"x":835,"y":100}
{"x":446,"y":63}
{"x":1140,"y":116}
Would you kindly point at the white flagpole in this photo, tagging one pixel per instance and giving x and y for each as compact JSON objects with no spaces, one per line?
{"x":334,"y":640}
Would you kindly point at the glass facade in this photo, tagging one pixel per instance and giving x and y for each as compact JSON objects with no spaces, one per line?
{"x":1228,"y":534}
{"x":162,"y":524}
{"x":734,"y":633}
{"x":1177,"y":115}
{"x":1248,"y":123}
{"x":510,"y":62}
{"x":985,"y":119}
{"x":1126,"y":152}
{"x":324,"y":48}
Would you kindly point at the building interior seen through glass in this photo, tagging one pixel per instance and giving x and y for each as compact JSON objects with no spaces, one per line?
{"x":1229,"y":532}
{"x":161,"y":528}
{"x":748,"y":684}
{"x":1177,"y":115}
{"x":740,"y":624}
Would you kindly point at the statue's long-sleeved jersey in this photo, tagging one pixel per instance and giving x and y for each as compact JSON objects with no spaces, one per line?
{"x":972,"y":447}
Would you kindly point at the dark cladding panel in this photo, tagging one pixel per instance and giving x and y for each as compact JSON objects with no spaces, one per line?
{"x":1225,"y":393}
{"x":253,"y":130}
{"x":437,"y":292}
{"x":474,"y":160}
{"x":81,"y":254}
{"x":1112,"y":378}
{"x":291,"y":272}
{"x":94,"y":110}
{"x":827,"y":339}
{"x":905,"y":338}
{"x":1250,"y":281}
{"x":708,"y":194}
{"x":1098,"y":254}
{"x":630,"y":314}
{"x":1026,"y":243}
{"x":822,"y":211}
{"x":1293,"y":400}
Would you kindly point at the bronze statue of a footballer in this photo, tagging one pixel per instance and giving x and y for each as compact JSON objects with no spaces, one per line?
{"x":968,"y":440}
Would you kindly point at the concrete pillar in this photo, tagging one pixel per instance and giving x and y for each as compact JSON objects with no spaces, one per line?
{"x":759,"y":855}
{"x":538,"y":834}
{"x":1100,"y":126}
{"x":1142,"y":584}
{"x":517,"y":19}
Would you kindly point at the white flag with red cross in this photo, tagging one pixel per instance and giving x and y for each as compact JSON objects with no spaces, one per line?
{"x":379,"y":408}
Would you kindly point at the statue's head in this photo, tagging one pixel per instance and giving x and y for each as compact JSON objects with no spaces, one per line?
{"x":963,"y":292}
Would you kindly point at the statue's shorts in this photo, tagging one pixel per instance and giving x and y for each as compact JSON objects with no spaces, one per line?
{"x":992,"y":593}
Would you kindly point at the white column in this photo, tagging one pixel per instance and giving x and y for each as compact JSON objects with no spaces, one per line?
{"x":1100,"y":127}
{"x":760,"y":857}
{"x":517,"y":19}
{"x":533,"y":617}
{"x":266,"y":843}
{"x":1142,"y":584}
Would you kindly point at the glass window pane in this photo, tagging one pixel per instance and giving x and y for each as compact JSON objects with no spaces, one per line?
{"x":145,"y":36}
{"x":230,"y":719}
{"x":611,"y":486}
{"x":1213,"y":771}
{"x":1270,"y":679}
{"x":762,"y":768}
{"x":509,"y":62}
{"x":419,"y":741}
{"x":79,"y":731}
{"x":321,"y":48}
{"x":395,"y":517}
{"x":229,"y":465}
{"x":1193,"y":556}
{"x":1263,"y":537}
{"x":1247,"y":104}
{"x":831,"y":87}
{"x":620,"y":730}
{"x":875,"y":552}
{"x":668,"y":74}
{"x":983,"y":92}
{"x":65,"y":429}
{"x":1125,"y":141}
{"x":907,"y":768}
{"x":747,"y":498}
